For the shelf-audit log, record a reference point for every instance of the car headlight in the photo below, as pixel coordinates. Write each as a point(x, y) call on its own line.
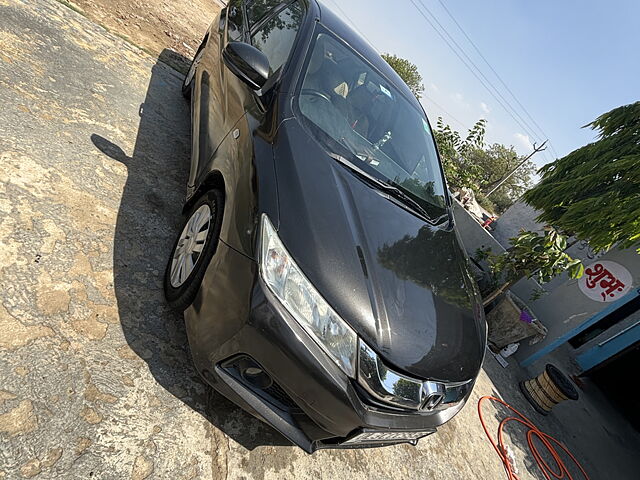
point(296, 293)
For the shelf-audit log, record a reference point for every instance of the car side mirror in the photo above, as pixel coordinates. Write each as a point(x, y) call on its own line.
point(247, 63)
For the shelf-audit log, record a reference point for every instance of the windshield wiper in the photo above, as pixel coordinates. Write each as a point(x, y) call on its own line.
point(385, 187)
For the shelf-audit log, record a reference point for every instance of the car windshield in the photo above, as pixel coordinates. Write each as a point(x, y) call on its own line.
point(353, 109)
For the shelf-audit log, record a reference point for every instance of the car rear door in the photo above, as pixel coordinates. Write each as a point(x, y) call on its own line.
point(214, 113)
point(222, 99)
point(273, 28)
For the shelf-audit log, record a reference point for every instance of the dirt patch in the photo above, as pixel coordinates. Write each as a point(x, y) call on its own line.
point(154, 25)
point(20, 420)
point(14, 334)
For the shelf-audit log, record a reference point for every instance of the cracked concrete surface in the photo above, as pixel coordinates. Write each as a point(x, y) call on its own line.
point(95, 376)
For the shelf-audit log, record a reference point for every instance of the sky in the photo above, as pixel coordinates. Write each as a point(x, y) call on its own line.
point(566, 62)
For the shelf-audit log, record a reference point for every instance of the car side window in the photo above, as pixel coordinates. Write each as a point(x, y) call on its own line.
point(259, 9)
point(235, 21)
point(276, 36)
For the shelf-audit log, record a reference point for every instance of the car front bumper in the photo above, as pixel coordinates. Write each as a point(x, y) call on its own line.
point(235, 319)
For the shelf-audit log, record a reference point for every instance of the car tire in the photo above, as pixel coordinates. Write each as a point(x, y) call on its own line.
point(186, 266)
point(187, 84)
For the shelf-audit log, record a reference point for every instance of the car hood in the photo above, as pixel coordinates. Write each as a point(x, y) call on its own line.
point(402, 284)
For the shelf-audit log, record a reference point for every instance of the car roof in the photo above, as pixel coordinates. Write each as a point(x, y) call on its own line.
point(355, 40)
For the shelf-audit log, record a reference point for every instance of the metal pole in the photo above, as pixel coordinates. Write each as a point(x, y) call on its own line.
point(501, 182)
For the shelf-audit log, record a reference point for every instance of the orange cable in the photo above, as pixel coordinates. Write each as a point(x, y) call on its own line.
point(560, 470)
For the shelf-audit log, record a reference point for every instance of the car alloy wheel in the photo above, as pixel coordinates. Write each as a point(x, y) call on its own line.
point(193, 249)
point(189, 248)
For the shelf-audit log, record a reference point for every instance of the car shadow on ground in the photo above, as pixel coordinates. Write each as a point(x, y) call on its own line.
point(149, 218)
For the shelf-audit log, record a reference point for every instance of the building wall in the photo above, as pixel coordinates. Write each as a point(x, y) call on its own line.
point(472, 234)
point(614, 339)
point(517, 217)
point(565, 310)
point(521, 216)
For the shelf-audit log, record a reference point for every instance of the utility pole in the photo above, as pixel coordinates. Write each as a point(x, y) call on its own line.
point(504, 179)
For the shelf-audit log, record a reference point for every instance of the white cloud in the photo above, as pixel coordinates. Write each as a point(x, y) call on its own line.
point(484, 107)
point(434, 87)
point(458, 98)
point(523, 140)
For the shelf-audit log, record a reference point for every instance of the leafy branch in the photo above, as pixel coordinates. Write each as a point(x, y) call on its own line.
point(532, 255)
point(593, 193)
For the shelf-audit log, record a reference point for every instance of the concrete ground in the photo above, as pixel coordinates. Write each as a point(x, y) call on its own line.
point(95, 375)
point(154, 24)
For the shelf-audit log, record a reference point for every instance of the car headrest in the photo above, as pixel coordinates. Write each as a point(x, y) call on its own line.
point(360, 98)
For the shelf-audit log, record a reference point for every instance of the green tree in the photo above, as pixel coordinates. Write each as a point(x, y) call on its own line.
point(469, 163)
point(594, 192)
point(408, 72)
point(496, 161)
point(532, 255)
point(455, 153)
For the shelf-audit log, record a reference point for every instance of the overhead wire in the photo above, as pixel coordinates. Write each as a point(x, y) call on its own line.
point(523, 123)
point(528, 130)
point(335, 3)
point(524, 109)
point(445, 111)
point(473, 68)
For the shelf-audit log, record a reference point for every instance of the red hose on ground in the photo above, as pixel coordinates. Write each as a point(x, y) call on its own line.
point(559, 472)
